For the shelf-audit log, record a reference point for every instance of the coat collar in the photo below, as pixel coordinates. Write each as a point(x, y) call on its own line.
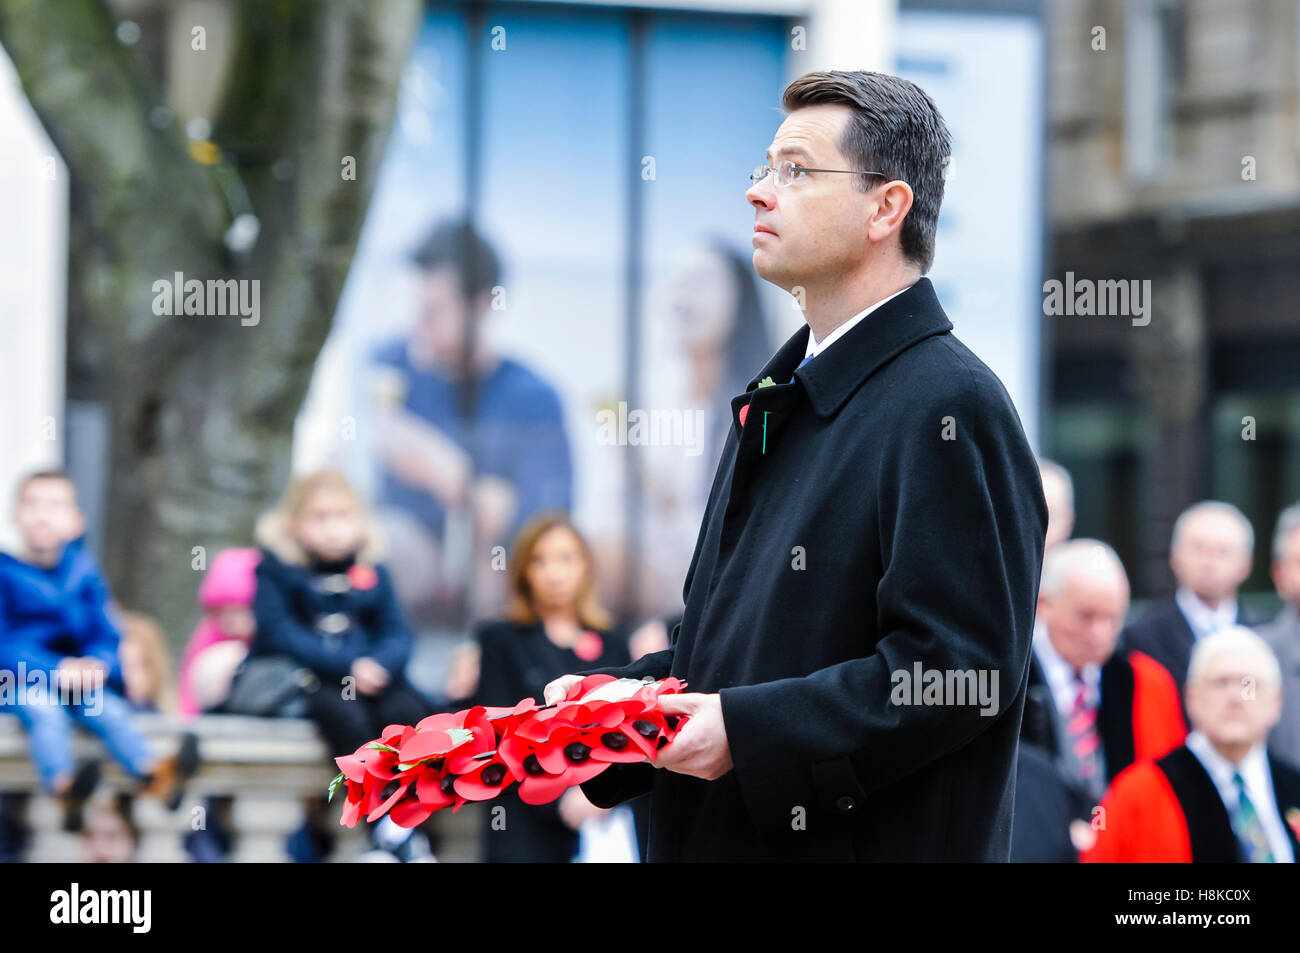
point(834, 375)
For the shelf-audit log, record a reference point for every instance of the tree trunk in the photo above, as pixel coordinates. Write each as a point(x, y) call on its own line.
point(202, 406)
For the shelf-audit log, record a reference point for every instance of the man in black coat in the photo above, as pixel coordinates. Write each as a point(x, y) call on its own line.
point(860, 603)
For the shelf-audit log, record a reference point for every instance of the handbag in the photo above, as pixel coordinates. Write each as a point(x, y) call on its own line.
point(271, 687)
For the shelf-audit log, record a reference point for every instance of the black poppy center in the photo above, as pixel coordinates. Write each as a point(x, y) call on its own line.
point(614, 740)
point(576, 752)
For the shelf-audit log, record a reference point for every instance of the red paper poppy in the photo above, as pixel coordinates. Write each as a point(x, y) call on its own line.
point(410, 813)
point(547, 755)
point(362, 576)
point(589, 646)
point(589, 683)
point(378, 799)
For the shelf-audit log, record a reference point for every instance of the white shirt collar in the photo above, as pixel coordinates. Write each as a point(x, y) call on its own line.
point(814, 347)
point(1201, 617)
point(1257, 780)
point(1060, 674)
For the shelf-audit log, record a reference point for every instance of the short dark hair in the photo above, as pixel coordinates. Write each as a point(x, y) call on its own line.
point(895, 128)
point(457, 245)
point(53, 473)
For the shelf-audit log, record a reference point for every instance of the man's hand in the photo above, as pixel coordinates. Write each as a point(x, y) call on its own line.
point(700, 748)
point(574, 808)
point(370, 675)
point(558, 690)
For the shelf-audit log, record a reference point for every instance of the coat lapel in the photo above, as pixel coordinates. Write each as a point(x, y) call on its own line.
point(1286, 788)
point(832, 378)
point(1208, 824)
point(1115, 715)
point(891, 329)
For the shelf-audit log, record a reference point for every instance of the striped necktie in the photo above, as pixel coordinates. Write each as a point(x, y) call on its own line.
point(1249, 828)
point(801, 364)
point(1085, 743)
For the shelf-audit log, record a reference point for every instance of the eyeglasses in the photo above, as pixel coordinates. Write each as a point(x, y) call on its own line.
point(787, 171)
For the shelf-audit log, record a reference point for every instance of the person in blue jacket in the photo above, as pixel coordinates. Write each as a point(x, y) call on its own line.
point(59, 653)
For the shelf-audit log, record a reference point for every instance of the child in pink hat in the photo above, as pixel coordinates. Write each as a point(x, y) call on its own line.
point(222, 638)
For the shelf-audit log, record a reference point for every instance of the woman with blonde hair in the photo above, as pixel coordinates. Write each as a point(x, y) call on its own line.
point(554, 624)
point(328, 622)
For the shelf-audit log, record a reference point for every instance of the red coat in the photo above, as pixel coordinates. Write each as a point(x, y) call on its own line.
point(1157, 714)
point(1142, 819)
point(1169, 811)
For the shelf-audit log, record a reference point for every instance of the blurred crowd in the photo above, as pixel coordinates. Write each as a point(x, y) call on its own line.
point(305, 625)
point(1173, 736)
point(1170, 736)
point(1167, 737)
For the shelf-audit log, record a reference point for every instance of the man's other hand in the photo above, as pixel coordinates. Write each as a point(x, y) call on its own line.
point(558, 690)
point(700, 748)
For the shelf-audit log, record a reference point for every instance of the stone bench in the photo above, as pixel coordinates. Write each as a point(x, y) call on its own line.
point(267, 767)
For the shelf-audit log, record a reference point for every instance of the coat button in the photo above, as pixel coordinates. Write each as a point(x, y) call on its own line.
point(846, 804)
point(336, 583)
point(334, 623)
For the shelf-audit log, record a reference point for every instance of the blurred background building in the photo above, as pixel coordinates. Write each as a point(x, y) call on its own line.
point(1175, 156)
point(602, 150)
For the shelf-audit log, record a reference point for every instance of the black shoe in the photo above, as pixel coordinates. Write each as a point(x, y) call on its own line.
point(74, 798)
point(187, 765)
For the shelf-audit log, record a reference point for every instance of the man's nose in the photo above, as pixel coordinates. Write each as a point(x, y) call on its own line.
point(760, 194)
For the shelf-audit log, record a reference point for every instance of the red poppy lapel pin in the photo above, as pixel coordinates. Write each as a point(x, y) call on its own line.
point(744, 411)
point(589, 646)
point(362, 576)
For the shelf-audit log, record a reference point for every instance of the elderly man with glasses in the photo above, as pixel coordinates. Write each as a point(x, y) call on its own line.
point(1222, 797)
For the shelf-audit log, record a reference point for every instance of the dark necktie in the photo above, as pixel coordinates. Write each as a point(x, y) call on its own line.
point(1249, 828)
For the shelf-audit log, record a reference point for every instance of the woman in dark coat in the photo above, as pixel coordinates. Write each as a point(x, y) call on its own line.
point(554, 623)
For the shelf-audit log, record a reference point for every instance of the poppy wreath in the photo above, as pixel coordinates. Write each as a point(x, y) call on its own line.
point(476, 753)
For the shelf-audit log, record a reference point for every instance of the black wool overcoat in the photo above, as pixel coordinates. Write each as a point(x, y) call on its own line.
point(878, 518)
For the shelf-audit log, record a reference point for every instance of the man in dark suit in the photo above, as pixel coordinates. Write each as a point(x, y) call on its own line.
point(1223, 797)
point(1210, 555)
point(860, 602)
point(1283, 633)
point(1092, 708)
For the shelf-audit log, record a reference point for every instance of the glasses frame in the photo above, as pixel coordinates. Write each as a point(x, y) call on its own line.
point(755, 178)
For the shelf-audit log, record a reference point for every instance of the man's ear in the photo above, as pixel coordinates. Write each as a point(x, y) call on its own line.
point(893, 202)
point(1275, 573)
